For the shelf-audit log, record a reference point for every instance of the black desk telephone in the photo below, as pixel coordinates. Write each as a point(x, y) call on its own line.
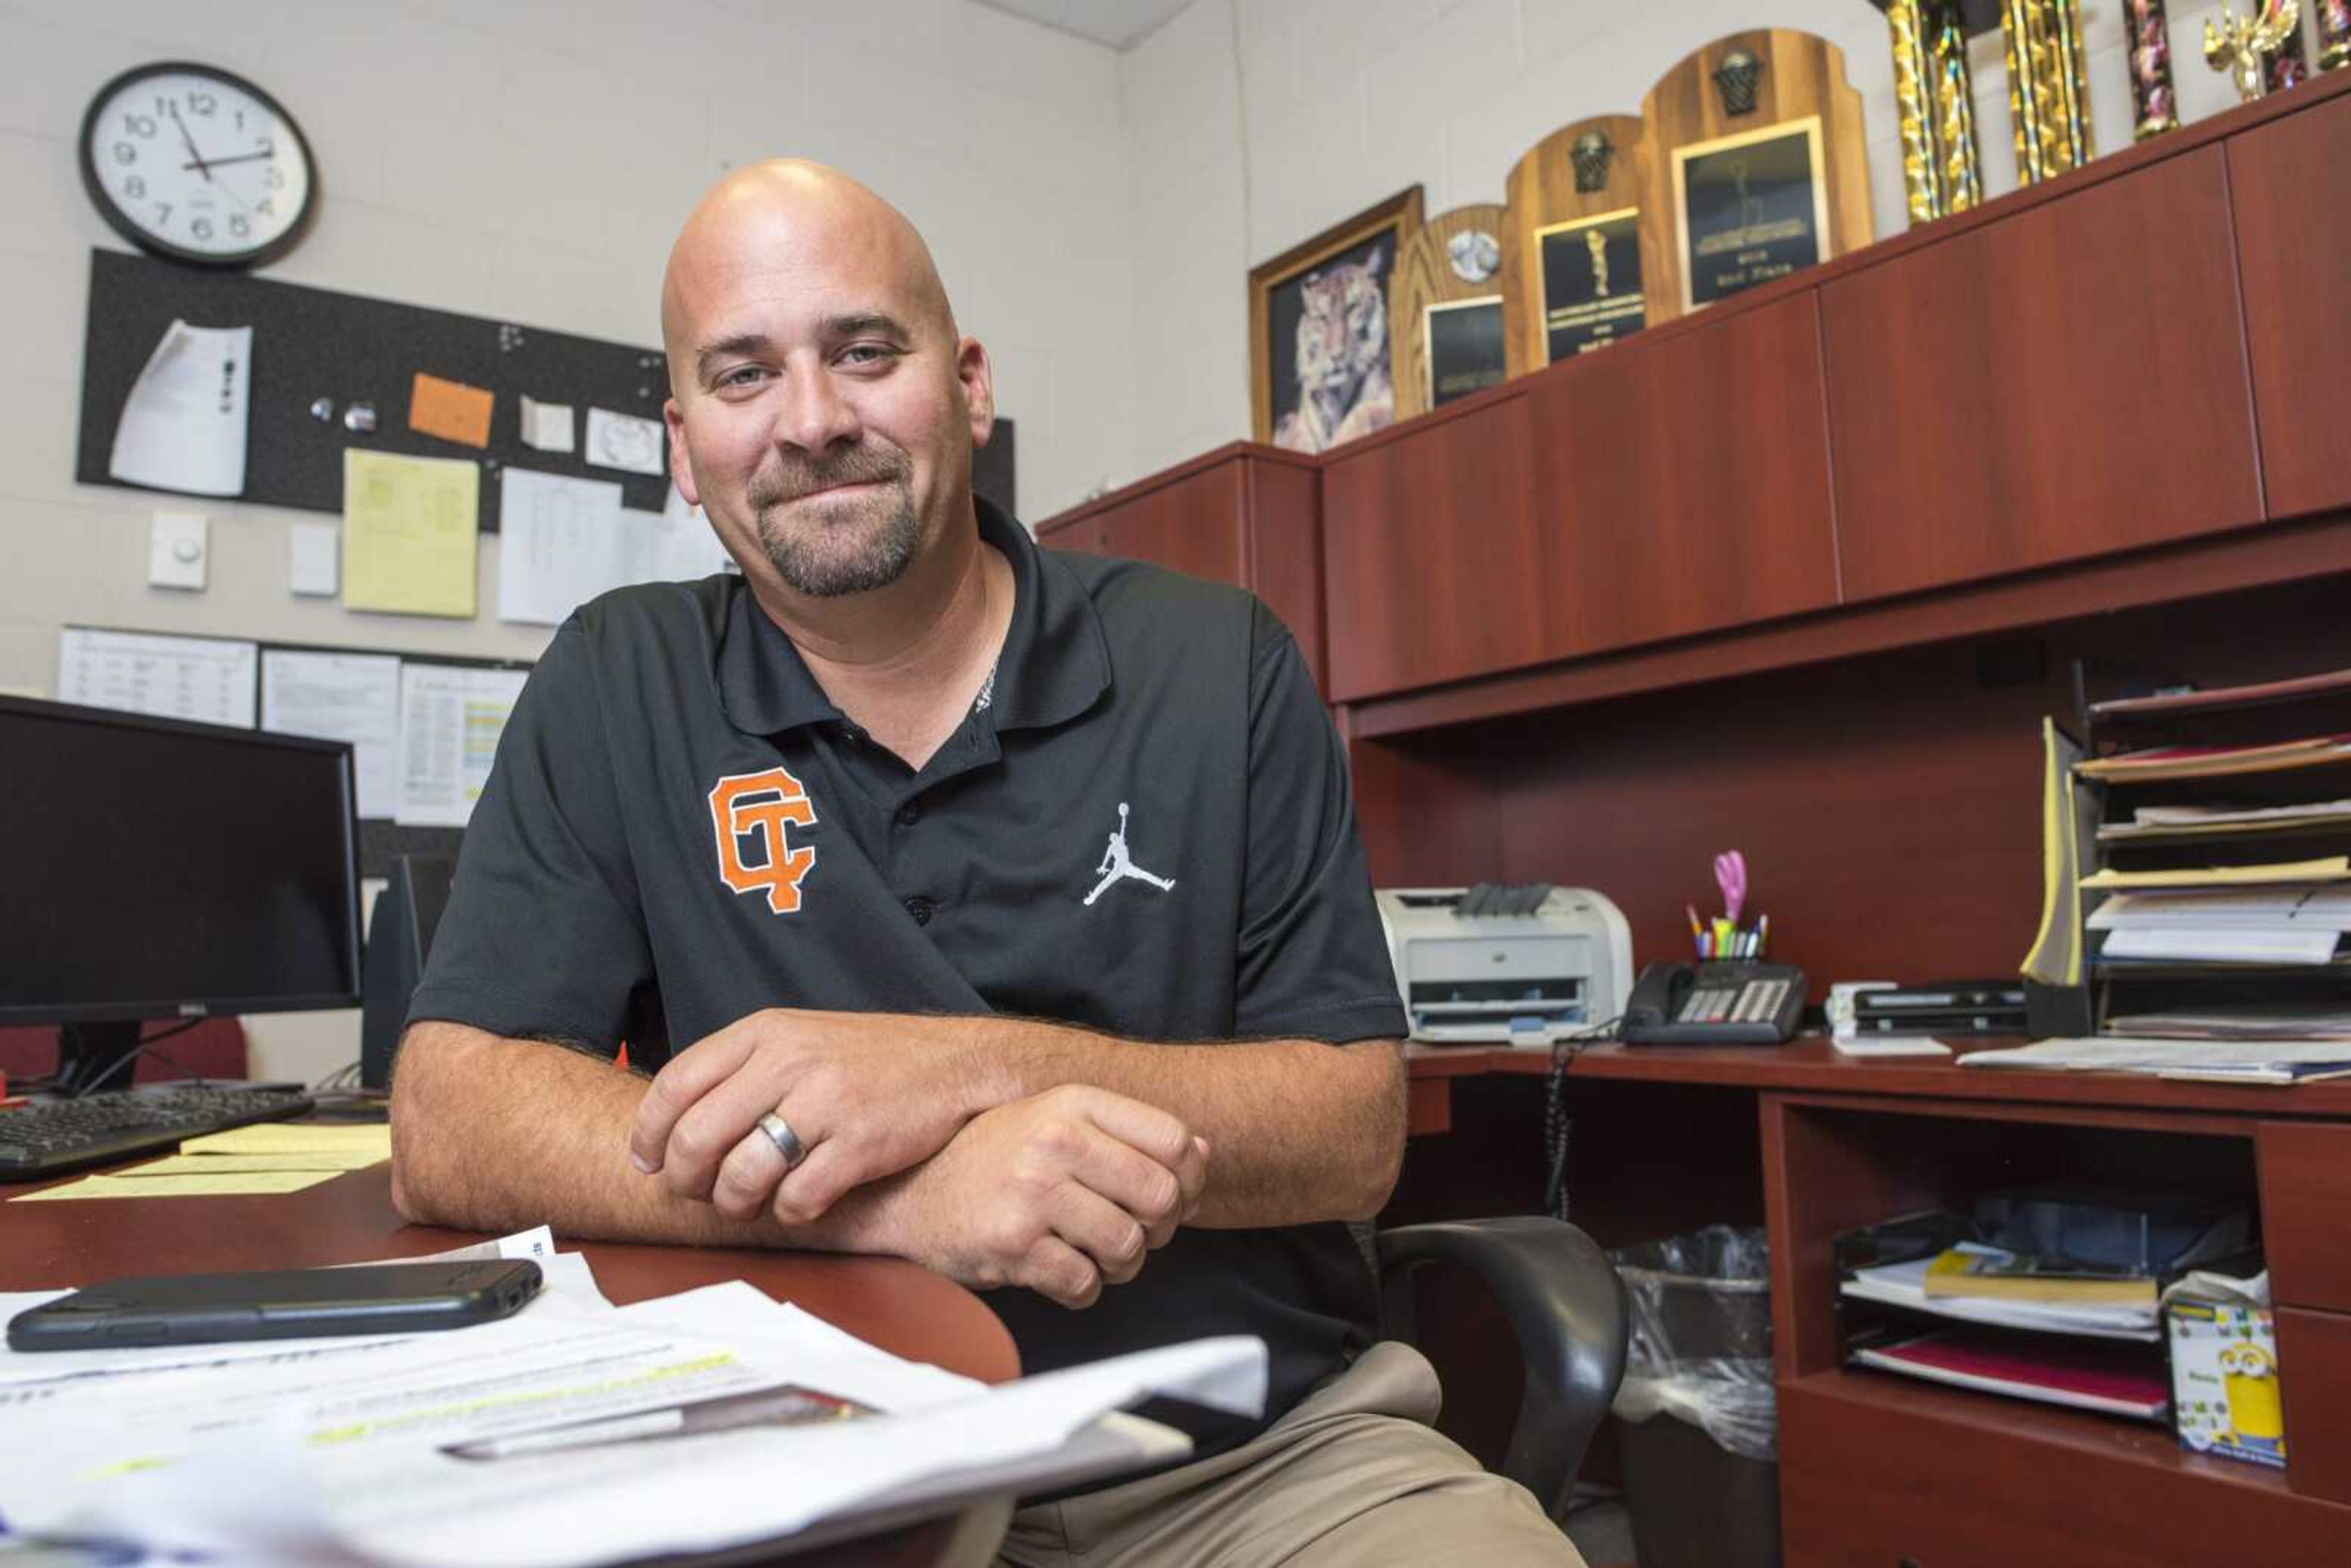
point(1714, 1004)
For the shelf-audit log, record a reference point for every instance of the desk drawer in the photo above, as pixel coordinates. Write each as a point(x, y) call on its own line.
point(2305, 1202)
point(1876, 1473)
point(2314, 1380)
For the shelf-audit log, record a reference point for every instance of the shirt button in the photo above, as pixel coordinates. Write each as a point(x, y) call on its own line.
point(910, 813)
point(922, 909)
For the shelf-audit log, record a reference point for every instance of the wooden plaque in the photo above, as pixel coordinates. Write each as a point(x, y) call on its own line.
point(1445, 309)
point(1759, 138)
point(1558, 201)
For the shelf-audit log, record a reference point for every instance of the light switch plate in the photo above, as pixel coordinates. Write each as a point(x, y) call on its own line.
point(312, 565)
point(179, 549)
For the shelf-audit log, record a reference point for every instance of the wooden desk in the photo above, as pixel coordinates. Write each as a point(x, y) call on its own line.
point(1875, 1470)
point(904, 1309)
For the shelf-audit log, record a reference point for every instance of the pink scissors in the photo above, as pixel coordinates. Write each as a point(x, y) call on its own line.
point(1730, 875)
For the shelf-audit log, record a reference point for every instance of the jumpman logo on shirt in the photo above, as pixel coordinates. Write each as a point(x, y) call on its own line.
point(1116, 865)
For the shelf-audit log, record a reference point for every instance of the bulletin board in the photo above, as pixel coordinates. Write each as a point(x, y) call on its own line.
point(311, 344)
point(382, 841)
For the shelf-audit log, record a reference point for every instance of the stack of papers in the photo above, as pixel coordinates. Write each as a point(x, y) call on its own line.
point(1904, 1285)
point(2088, 1378)
point(2176, 762)
point(571, 1433)
point(2273, 873)
point(2273, 1021)
point(2288, 923)
point(264, 1159)
point(2217, 1061)
point(2203, 822)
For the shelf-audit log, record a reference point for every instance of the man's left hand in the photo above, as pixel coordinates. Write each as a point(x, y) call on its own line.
point(866, 1100)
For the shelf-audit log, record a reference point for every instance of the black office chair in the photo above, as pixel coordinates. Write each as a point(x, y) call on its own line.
point(1566, 1308)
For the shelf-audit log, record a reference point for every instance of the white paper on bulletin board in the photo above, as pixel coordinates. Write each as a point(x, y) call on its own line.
point(340, 696)
point(450, 720)
point(209, 679)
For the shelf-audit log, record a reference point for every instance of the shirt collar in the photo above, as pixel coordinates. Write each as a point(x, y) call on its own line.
point(1054, 664)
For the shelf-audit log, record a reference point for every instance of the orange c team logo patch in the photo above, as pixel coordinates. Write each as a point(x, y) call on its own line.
point(762, 806)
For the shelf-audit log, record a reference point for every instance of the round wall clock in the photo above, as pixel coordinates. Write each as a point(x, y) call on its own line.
point(196, 163)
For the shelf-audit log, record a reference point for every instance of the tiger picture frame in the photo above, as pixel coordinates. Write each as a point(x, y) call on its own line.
point(1321, 364)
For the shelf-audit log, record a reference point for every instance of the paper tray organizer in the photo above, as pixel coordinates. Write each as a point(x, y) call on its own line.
point(1866, 1324)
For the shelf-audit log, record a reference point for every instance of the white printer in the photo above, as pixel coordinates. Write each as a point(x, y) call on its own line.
point(1507, 965)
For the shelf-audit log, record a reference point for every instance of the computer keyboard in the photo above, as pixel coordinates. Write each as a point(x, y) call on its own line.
point(60, 1136)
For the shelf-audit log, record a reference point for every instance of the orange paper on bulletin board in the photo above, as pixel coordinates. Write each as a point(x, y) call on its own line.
point(450, 410)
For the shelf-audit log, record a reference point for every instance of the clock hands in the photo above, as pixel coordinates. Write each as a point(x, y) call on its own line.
point(199, 163)
point(220, 162)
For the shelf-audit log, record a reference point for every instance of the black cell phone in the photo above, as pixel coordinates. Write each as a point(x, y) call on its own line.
point(292, 1303)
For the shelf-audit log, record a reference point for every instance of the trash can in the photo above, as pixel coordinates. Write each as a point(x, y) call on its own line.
point(1698, 1427)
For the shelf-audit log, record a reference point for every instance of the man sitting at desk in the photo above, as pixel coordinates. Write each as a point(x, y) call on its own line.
point(824, 845)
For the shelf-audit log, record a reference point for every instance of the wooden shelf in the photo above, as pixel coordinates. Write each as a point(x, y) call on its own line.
point(2171, 574)
point(1811, 1066)
point(2022, 1421)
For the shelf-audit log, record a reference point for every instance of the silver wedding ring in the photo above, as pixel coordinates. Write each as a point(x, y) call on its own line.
point(788, 1144)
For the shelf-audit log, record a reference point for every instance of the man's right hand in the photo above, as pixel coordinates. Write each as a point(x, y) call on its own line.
point(1061, 1193)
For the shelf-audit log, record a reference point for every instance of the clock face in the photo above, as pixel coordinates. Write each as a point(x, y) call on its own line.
point(197, 164)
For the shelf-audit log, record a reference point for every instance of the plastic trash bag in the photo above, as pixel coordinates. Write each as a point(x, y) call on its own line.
point(1701, 1339)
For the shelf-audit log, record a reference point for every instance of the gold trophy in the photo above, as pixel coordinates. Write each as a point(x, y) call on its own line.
point(2242, 46)
point(1934, 96)
point(2047, 93)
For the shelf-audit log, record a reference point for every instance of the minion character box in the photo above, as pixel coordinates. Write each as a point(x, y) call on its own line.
point(2224, 1381)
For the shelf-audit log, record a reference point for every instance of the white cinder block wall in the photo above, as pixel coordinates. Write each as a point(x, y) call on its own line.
point(529, 161)
point(1252, 124)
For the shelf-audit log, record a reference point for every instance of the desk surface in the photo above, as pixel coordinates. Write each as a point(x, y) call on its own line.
point(900, 1307)
point(1810, 1065)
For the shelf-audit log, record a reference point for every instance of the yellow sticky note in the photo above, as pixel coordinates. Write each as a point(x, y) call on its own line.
point(450, 410)
point(290, 1160)
point(246, 1184)
point(372, 1139)
point(411, 525)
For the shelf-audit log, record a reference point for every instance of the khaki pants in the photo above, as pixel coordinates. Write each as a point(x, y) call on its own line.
point(1354, 1478)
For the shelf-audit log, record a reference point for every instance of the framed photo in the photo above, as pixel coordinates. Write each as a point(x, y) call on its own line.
point(1321, 366)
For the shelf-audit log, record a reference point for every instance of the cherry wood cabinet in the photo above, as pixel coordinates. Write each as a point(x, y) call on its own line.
point(1246, 515)
point(2313, 1357)
point(2305, 1198)
point(1685, 487)
point(2067, 380)
point(2290, 183)
point(1435, 566)
point(1879, 1469)
point(2114, 389)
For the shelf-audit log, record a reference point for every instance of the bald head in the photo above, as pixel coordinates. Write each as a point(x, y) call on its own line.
point(823, 408)
point(791, 216)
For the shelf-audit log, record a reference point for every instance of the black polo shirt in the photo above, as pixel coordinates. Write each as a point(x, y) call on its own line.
point(1146, 827)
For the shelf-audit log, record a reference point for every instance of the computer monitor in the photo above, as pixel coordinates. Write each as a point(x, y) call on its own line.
point(156, 869)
